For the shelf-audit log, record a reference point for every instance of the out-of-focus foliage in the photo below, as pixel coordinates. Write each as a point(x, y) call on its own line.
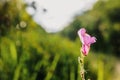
point(27, 52)
point(103, 21)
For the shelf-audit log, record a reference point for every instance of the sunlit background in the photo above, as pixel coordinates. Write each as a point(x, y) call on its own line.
point(39, 41)
point(54, 15)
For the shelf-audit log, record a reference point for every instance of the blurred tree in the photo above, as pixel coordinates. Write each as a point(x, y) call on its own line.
point(103, 21)
point(10, 11)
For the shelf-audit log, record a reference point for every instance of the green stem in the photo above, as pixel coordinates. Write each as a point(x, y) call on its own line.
point(81, 63)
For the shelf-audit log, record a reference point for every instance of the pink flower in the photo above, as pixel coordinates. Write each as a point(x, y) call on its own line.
point(86, 40)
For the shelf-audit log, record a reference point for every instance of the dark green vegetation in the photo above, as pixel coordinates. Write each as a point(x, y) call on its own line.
point(103, 21)
point(27, 52)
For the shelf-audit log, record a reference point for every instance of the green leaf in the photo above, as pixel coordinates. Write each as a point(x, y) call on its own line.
point(13, 51)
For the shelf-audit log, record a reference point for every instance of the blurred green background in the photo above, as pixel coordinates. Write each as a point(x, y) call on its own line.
point(27, 52)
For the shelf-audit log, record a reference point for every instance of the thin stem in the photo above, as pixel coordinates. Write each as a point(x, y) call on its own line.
point(81, 62)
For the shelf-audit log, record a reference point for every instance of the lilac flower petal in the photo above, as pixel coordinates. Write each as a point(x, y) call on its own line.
point(86, 40)
point(85, 49)
point(93, 40)
point(81, 33)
